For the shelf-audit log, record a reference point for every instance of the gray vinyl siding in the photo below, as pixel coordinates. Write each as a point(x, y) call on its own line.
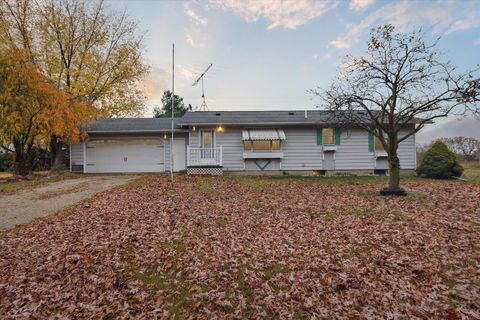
point(301, 152)
point(406, 151)
point(266, 164)
point(76, 153)
point(232, 148)
point(352, 153)
point(194, 138)
point(166, 159)
point(168, 143)
point(231, 142)
point(300, 149)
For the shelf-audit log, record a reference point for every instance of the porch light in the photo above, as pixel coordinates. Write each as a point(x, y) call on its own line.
point(194, 128)
point(220, 128)
point(165, 135)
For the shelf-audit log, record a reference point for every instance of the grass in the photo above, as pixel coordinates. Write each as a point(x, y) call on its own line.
point(13, 187)
point(274, 269)
point(472, 174)
point(260, 183)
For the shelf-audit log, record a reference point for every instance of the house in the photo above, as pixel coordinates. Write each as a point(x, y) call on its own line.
point(216, 142)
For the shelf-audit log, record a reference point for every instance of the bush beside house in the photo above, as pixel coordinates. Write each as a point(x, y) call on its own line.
point(440, 162)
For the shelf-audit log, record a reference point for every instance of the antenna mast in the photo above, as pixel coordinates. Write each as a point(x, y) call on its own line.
point(203, 107)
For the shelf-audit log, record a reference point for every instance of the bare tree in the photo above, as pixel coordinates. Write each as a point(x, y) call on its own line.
point(397, 87)
point(466, 149)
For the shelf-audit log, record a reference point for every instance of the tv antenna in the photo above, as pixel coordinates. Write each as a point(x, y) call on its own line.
point(203, 107)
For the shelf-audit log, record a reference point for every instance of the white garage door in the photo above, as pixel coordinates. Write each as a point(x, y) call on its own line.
point(128, 155)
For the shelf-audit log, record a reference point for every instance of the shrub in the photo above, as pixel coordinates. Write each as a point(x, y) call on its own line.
point(440, 162)
point(6, 162)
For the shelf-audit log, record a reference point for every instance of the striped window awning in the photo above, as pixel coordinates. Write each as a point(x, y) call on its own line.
point(263, 134)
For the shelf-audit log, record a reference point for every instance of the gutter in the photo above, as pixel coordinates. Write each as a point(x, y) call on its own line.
point(135, 131)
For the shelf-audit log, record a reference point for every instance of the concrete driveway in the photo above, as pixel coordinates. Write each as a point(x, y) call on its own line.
point(28, 204)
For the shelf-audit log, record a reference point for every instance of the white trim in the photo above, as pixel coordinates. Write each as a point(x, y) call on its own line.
point(329, 147)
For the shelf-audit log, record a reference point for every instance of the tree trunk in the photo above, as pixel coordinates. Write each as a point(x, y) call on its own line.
point(21, 164)
point(56, 153)
point(394, 173)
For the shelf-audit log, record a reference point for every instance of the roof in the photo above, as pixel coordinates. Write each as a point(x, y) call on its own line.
point(132, 125)
point(292, 117)
point(254, 117)
point(246, 118)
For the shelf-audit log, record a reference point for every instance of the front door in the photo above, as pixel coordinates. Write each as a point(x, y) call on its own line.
point(207, 144)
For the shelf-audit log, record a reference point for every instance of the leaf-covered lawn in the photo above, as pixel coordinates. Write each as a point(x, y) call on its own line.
point(250, 248)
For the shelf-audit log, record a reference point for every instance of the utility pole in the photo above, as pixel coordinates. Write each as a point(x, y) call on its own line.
point(173, 111)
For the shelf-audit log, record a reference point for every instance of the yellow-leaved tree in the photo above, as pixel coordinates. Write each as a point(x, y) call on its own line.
point(32, 108)
point(92, 53)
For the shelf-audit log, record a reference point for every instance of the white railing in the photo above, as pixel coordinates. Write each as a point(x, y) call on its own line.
point(204, 156)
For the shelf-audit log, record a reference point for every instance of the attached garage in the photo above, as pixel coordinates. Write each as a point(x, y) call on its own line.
point(125, 155)
point(129, 145)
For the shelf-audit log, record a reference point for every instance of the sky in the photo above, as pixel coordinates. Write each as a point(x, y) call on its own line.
point(267, 54)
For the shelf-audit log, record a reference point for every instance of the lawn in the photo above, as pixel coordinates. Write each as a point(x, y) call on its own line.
point(39, 178)
point(239, 247)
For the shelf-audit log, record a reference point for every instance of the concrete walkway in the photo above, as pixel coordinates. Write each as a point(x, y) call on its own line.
point(28, 204)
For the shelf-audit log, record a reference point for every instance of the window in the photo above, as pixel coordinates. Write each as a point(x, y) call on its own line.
point(247, 145)
point(378, 145)
point(261, 145)
point(275, 145)
point(328, 136)
point(374, 143)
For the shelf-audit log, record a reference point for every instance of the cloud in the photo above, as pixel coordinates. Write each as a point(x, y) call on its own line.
point(360, 5)
point(407, 14)
point(189, 40)
point(339, 43)
point(186, 72)
point(289, 14)
point(155, 83)
point(196, 19)
point(471, 20)
point(452, 127)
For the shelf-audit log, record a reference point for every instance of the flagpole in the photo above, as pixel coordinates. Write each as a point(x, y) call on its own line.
point(173, 111)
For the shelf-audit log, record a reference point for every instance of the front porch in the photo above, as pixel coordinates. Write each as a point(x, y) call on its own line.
point(204, 161)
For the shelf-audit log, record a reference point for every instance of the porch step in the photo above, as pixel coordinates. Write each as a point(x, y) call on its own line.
point(211, 171)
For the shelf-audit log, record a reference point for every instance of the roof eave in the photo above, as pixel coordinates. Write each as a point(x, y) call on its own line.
point(249, 123)
point(136, 131)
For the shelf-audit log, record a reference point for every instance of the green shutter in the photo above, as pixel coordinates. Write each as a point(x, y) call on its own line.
point(319, 136)
point(336, 133)
point(371, 142)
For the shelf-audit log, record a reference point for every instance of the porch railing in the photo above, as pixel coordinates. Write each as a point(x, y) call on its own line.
point(204, 156)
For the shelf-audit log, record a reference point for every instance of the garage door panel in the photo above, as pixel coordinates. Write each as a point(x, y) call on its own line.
point(116, 156)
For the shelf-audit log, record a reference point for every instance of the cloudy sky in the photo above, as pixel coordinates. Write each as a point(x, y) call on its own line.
point(266, 54)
